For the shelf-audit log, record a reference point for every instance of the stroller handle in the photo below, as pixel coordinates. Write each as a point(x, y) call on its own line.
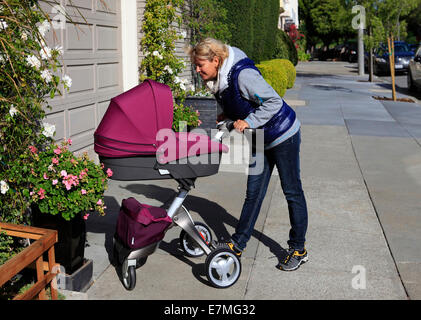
point(229, 125)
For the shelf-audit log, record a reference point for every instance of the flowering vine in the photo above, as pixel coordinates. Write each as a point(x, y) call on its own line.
point(31, 72)
point(162, 19)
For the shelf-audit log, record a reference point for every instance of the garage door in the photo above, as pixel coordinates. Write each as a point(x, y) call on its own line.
point(92, 59)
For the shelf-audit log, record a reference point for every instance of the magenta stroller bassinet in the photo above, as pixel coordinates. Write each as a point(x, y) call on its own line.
point(135, 140)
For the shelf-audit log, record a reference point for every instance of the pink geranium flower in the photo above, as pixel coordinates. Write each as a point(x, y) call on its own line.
point(57, 150)
point(33, 149)
point(55, 181)
point(70, 180)
point(109, 172)
point(54, 160)
point(41, 193)
point(63, 173)
point(99, 202)
point(45, 176)
point(83, 191)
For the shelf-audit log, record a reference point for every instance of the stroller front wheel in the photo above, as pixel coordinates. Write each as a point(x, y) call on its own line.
point(128, 274)
point(189, 246)
point(223, 268)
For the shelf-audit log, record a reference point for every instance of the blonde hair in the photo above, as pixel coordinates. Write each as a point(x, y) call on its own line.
point(207, 49)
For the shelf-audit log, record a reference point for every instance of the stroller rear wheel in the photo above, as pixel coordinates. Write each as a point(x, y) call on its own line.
point(223, 267)
point(189, 246)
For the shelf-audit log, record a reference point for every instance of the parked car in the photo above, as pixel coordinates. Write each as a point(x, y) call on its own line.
point(403, 55)
point(345, 52)
point(352, 52)
point(414, 72)
point(338, 51)
point(324, 54)
point(413, 47)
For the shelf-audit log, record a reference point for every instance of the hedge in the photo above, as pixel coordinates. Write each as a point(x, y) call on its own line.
point(285, 66)
point(254, 25)
point(279, 73)
point(284, 48)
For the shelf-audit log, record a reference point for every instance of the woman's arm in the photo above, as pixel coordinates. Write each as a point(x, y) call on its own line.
point(253, 87)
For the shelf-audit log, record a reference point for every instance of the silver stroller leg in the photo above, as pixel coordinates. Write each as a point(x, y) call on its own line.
point(183, 219)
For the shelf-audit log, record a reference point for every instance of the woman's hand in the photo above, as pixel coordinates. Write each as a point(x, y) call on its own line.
point(240, 125)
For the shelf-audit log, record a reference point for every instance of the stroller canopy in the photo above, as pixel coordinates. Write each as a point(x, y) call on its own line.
point(130, 125)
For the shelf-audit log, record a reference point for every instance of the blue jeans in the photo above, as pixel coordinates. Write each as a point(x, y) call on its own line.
point(286, 158)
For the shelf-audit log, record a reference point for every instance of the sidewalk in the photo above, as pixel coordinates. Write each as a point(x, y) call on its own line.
point(360, 166)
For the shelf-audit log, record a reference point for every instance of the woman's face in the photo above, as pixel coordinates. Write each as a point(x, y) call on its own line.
point(208, 70)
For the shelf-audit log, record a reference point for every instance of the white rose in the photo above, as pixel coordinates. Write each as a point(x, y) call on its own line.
point(45, 53)
point(48, 130)
point(44, 27)
point(33, 61)
point(157, 54)
point(4, 187)
point(46, 75)
point(67, 81)
point(59, 49)
point(168, 68)
point(3, 24)
point(12, 111)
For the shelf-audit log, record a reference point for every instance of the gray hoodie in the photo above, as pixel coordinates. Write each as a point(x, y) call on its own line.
point(252, 87)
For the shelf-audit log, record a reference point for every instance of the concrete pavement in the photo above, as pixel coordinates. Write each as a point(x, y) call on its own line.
point(360, 166)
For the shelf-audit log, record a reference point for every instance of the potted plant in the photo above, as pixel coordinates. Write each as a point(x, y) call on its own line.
point(63, 190)
point(206, 106)
point(185, 118)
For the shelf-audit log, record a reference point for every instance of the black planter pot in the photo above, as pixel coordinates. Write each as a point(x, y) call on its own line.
point(207, 107)
point(70, 248)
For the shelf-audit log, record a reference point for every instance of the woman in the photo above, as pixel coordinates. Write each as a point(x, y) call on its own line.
point(246, 98)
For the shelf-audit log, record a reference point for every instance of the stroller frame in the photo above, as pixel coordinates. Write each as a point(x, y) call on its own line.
point(223, 267)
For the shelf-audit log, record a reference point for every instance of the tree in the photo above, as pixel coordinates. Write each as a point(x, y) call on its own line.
point(206, 18)
point(330, 19)
point(383, 20)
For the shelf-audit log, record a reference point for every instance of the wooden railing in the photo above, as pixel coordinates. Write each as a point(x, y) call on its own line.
point(45, 240)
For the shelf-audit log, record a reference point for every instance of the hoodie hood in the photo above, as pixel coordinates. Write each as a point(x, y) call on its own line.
point(221, 83)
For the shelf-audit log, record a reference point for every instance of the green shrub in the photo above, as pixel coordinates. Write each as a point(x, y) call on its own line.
point(285, 48)
point(254, 25)
point(276, 78)
point(302, 56)
point(284, 66)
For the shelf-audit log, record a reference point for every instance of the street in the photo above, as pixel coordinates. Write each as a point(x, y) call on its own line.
point(400, 80)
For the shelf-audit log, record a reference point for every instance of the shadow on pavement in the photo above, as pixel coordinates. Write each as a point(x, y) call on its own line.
point(215, 216)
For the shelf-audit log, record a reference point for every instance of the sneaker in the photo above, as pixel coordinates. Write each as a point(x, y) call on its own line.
point(293, 260)
point(232, 247)
point(237, 251)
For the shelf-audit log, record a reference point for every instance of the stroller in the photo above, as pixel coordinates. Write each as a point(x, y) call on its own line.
point(130, 140)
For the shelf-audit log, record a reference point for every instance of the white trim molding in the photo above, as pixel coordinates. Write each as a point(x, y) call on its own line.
point(129, 44)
